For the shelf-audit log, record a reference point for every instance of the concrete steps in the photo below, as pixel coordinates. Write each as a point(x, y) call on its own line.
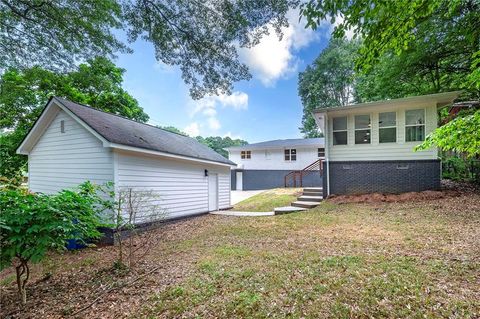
point(305, 198)
point(310, 198)
point(304, 204)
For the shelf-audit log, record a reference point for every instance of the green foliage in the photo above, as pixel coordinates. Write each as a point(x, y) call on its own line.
point(328, 82)
point(23, 95)
point(218, 143)
point(57, 34)
point(202, 38)
point(457, 168)
point(413, 48)
point(34, 224)
point(461, 135)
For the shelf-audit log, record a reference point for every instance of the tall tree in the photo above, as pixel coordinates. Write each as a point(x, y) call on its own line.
point(396, 26)
point(439, 60)
point(57, 34)
point(23, 95)
point(201, 37)
point(328, 82)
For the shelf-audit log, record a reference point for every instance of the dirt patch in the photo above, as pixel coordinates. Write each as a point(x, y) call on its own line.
point(449, 189)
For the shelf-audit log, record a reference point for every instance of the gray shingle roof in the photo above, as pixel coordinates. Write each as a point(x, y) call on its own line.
point(295, 142)
point(120, 130)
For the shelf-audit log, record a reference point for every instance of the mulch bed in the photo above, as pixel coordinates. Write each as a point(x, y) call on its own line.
point(448, 189)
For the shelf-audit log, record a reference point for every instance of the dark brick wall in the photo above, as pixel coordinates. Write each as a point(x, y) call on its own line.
point(384, 176)
point(265, 179)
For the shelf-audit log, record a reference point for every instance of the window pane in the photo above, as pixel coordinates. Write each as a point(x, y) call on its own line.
point(321, 152)
point(249, 154)
point(413, 117)
point(388, 135)
point(362, 121)
point(387, 119)
point(339, 138)
point(293, 151)
point(362, 137)
point(287, 155)
point(340, 123)
point(293, 157)
point(414, 133)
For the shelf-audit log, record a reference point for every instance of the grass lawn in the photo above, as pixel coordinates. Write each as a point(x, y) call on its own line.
point(268, 200)
point(388, 260)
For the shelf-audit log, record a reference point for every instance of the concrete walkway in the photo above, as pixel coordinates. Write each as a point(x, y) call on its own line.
point(238, 196)
point(242, 214)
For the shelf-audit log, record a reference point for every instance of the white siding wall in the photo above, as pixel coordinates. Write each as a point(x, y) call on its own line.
point(400, 150)
point(276, 161)
point(181, 186)
point(65, 160)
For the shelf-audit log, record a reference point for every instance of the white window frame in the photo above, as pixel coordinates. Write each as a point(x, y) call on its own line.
point(414, 125)
point(335, 131)
point(395, 127)
point(289, 151)
point(318, 152)
point(355, 129)
point(246, 155)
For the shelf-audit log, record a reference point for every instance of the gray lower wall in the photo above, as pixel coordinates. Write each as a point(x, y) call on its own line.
point(383, 176)
point(265, 179)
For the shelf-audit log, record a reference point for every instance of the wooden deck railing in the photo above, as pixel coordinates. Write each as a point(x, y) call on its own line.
point(297, 176)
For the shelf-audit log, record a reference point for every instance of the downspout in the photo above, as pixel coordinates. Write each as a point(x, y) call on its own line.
point(327, 153)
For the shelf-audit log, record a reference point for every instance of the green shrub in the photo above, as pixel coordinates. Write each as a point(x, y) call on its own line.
point(460, 169)
point(33, 224)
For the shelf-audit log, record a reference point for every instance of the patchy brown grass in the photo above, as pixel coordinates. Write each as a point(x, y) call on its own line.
point(402, 259)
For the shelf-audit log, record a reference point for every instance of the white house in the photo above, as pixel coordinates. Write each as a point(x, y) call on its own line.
point(369, 147)
point(72, 143)
point(266, 164)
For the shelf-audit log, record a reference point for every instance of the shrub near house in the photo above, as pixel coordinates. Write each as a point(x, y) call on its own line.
point(33, 224)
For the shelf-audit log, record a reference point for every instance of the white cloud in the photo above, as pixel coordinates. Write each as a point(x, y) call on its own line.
point(209, 105)
point(237, 100)
point(272, 58)
point(213, 123)
point(193, 129)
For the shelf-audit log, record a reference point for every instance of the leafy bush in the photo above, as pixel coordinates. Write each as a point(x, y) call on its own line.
point(33, 224)
point(457, 168)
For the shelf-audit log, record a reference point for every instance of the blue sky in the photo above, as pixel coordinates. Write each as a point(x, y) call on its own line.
point(264, 108)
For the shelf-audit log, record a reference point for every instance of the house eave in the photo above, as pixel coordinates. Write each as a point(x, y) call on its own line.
point(441, 99)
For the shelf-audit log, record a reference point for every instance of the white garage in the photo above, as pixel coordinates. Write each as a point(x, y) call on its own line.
point(71, 143)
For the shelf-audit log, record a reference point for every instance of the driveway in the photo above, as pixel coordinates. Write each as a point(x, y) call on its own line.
point(238, 196)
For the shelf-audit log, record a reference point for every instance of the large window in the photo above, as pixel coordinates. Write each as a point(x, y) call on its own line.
point(362, 129)
point(246, 154)
point(291, 154)
point(387, 127)
point(321, 152)
point(414, 125)
point(340, 130)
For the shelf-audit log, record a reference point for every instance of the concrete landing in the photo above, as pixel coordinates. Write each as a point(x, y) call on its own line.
point(242, 214)
point(287, 209)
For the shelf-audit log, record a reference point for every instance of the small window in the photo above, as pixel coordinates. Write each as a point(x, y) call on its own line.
point(415, 125)
point(291, 154)
point(340, 130)
point(321, 152)
point(246, 154)
point(362, 129)
point(387, 127)
point(62, 126)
